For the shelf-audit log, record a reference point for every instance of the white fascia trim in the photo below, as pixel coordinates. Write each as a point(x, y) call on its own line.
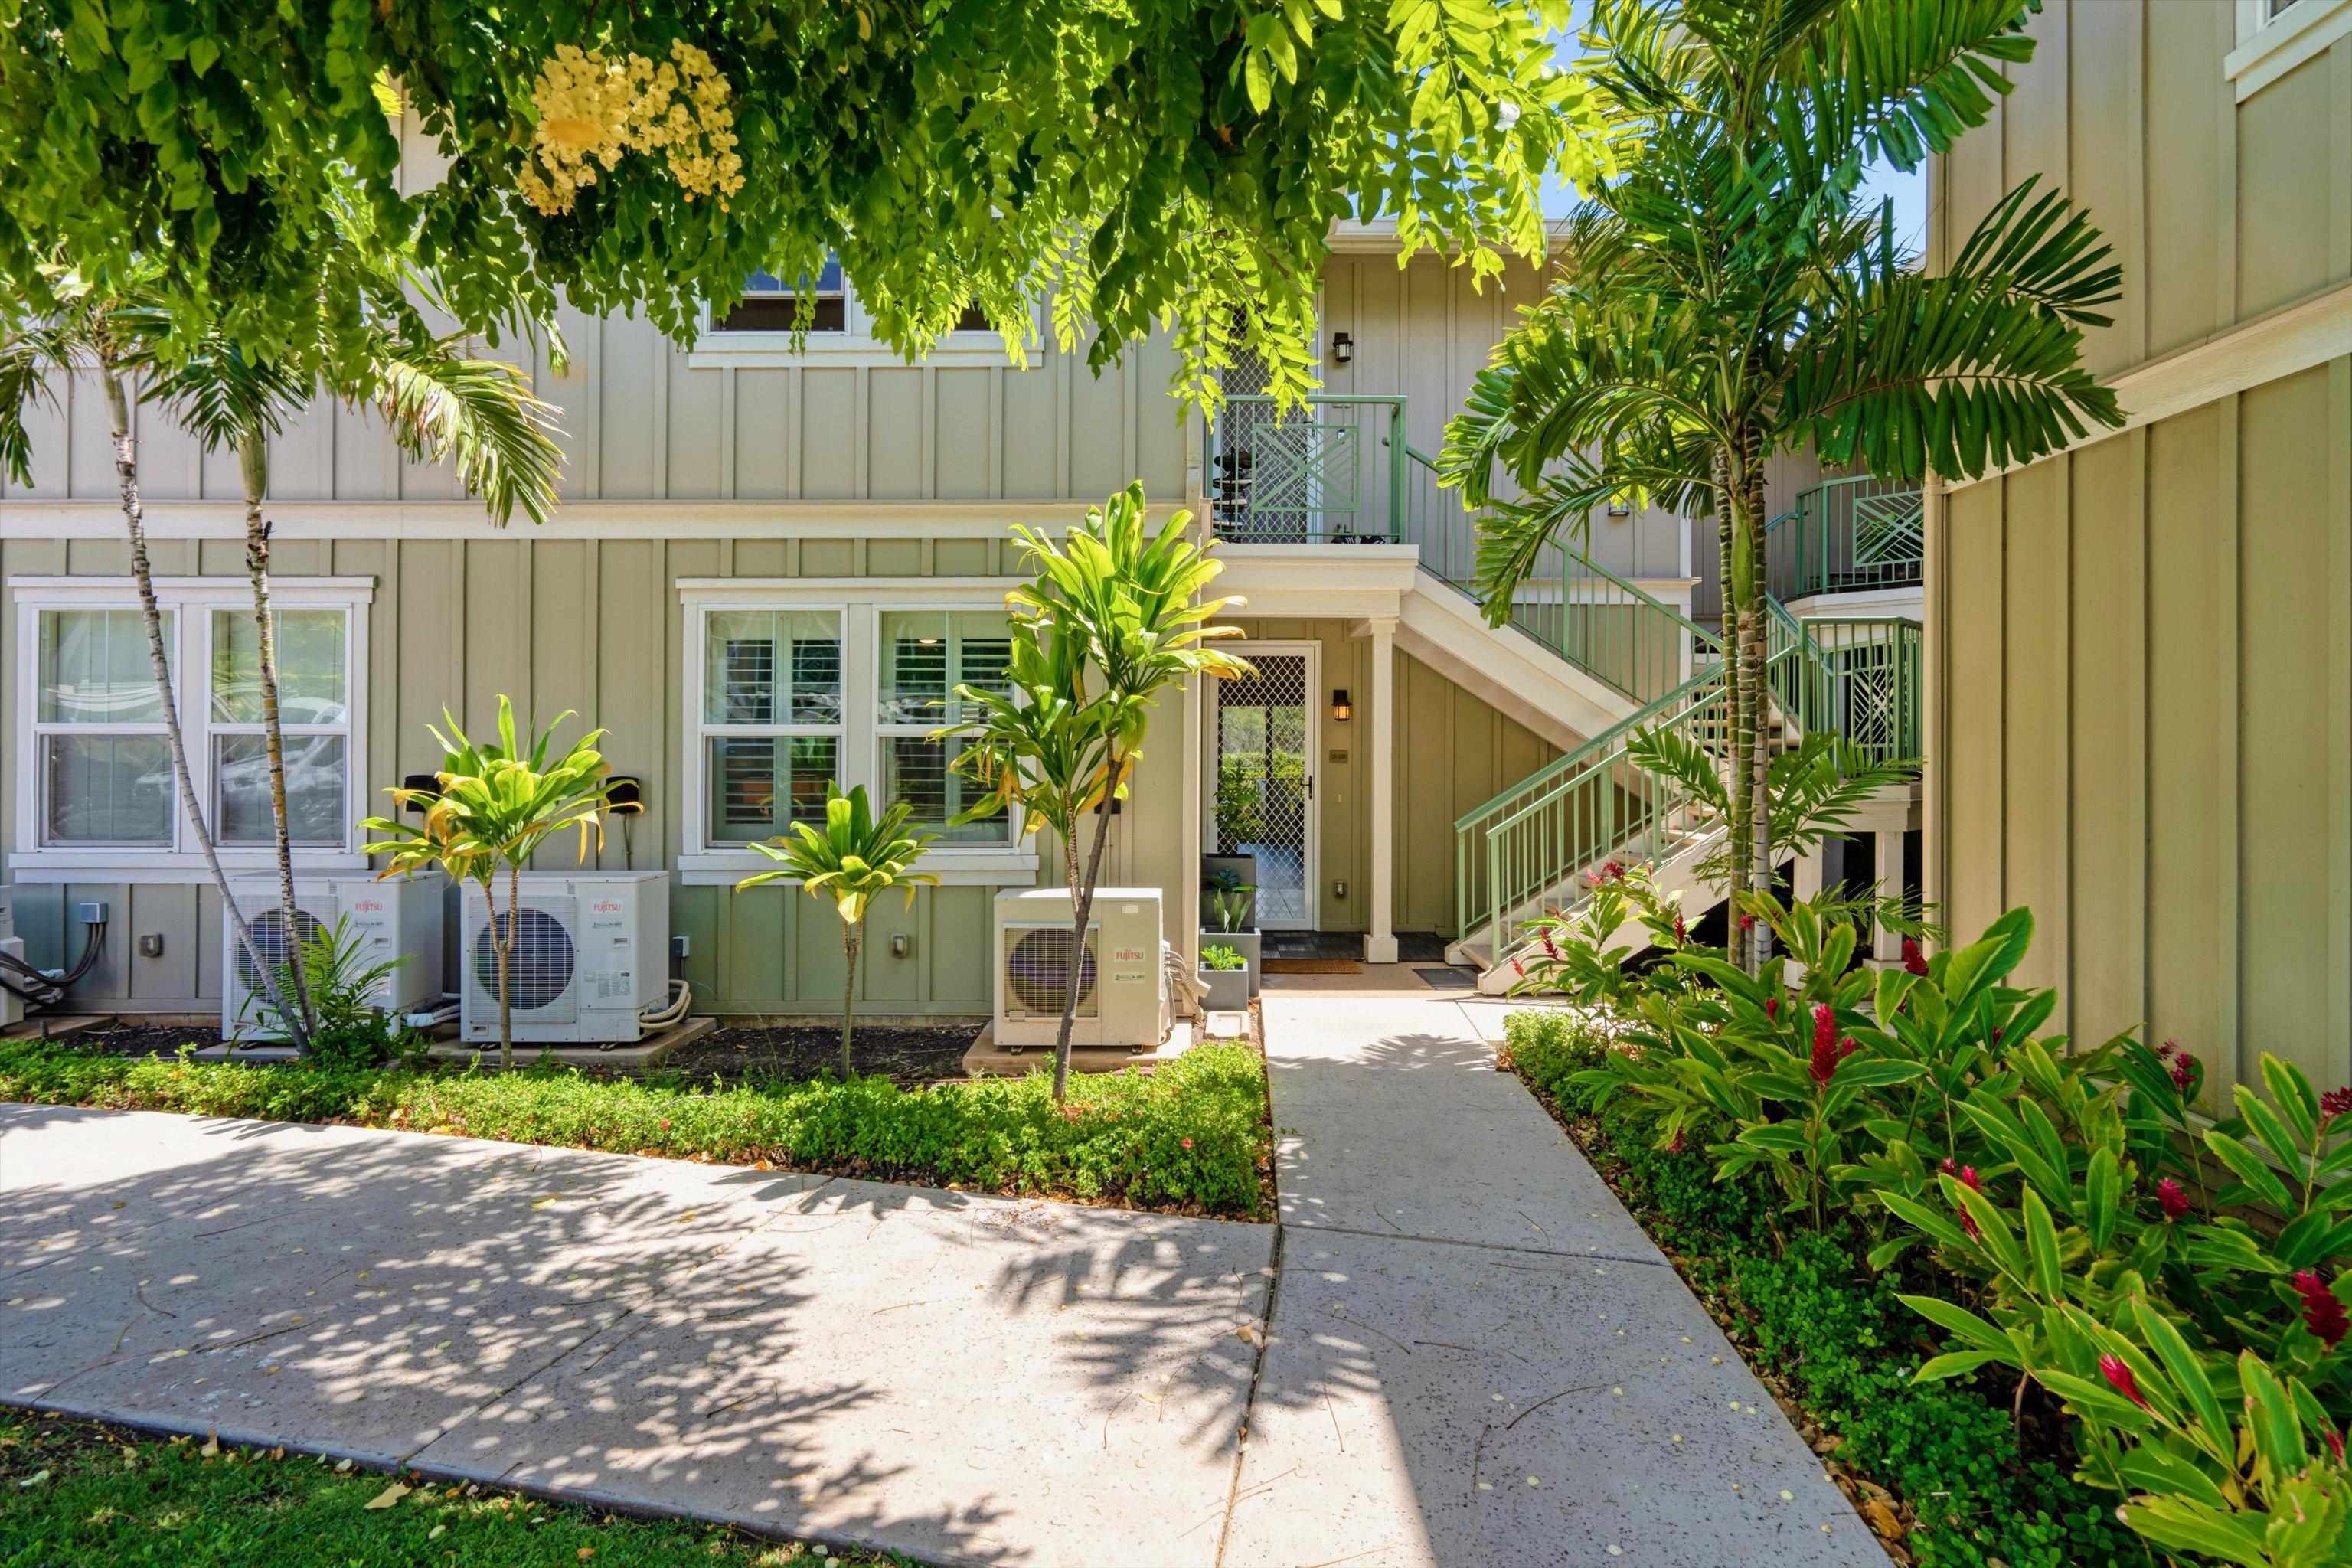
point(2277, 343)
point(22, 519)
point(1908, 603)
point(830, 593)
point(170, 867)
point(1323, 581)
point(2271, 49)
point(338, 592)
point(978, 867)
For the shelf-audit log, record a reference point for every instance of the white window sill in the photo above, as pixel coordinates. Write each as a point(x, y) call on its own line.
point(768, 351)
point(964, 866)
point(165, 865)
point(2273, 47)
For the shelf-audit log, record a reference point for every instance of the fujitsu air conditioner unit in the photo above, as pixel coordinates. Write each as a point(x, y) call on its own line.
point(1123, 986)
point(591, 957)
point(399, 917)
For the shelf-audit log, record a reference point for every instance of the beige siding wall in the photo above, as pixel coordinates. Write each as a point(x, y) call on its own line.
point(1424, 331)
point(2144, 648)
point(1452, 752)
point(597, 627)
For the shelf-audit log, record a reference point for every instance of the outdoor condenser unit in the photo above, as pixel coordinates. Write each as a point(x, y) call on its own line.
point(395, 919)
point(1123, 999)
point(12, 1006)
point(591, 955)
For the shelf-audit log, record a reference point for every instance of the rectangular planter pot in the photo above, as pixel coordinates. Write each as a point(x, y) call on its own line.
point(1246, 943)
point(1227, 990)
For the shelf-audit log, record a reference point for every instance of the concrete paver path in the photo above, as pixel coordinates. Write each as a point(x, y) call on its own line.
point(1475, 1358)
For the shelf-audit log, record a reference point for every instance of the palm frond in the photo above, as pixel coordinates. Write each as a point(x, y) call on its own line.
point(217, 393)
point(443, 404)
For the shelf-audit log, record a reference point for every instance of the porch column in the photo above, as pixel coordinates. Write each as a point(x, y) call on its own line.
point(1380, 940)
point(1887, 847)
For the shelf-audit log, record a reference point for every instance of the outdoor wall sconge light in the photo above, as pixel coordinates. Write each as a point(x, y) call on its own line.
point(1621, 509)
point(1343, 348)
point(1341, 709)
point(429, 782)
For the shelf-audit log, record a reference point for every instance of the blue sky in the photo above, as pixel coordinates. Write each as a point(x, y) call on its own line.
point(1883, 182)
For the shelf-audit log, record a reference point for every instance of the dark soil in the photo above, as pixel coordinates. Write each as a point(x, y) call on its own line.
point(134, 1039)
point(920, 1054)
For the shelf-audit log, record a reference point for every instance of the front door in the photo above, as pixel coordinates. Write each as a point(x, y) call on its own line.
point(1262, 789)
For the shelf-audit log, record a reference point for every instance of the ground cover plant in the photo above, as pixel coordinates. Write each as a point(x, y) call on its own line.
point(83, 1495)
point(2040, 1292)
point(1191, 1137)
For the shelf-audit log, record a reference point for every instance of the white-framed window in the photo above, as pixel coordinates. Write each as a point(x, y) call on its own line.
point(924, 655)
point(797, 684)
point(2277, 35)
point(759, 330)
point(100, 792)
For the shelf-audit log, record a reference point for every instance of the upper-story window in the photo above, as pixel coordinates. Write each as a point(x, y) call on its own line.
point(766, 327)
point(2274, 36)
point(92, 726)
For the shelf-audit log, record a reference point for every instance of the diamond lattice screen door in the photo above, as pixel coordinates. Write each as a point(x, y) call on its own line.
point(1262, 791)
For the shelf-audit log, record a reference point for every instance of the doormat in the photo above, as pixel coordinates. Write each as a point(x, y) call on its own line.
point(1311, 966)
point(1448, 977)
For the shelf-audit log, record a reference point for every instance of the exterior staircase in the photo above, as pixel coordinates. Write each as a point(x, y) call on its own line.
point(1618, 659)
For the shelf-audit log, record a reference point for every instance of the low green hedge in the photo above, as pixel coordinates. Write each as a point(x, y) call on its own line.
point(1838, 1341)
point(1192, 1137)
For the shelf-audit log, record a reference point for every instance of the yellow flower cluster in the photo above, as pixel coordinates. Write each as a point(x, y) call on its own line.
point(592, 108)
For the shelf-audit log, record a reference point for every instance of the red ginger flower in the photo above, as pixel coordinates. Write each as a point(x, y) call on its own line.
point(1826, 1054)
point(2173, 1196)
point(1551, 951)
point(2323, 1314)
point(2113, 1369)
point(2335, 1102)
point(2336, 1444)
point(1914, 958)
point(1967, 1177)
point(1681, 934)
point(1748, 923)
point(1614, 870)
point(1771, 1006)
point(2184, 1069)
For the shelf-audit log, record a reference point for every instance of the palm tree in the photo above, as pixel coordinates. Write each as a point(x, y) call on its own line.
point(439, 403)
point(1730, 297)
point(855, 861)
point(491, 806)
point(1113, 617)
point(107, 336)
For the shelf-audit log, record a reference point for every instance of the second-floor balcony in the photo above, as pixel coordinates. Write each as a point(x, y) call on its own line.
point(1859, 534)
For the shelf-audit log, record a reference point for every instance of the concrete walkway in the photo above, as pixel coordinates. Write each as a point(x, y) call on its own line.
point(1476, 1358)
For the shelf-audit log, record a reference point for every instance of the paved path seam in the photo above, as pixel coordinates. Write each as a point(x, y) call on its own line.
point(1308, 1228)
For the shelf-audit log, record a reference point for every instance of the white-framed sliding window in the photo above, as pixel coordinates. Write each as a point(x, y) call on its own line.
point(99, 797)
point(758, 330)
point(762, 746)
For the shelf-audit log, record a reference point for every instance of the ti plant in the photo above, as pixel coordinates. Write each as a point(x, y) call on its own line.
point(492, 805)
point(856, 859)
point(1230, 904)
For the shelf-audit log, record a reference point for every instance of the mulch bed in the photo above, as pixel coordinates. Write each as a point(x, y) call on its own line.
point(134, 1039)
point(909, 1054)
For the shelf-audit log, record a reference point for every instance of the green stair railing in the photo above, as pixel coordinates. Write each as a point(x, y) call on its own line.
point(1329, 471)
point(1527, 847)
point(1847, 535)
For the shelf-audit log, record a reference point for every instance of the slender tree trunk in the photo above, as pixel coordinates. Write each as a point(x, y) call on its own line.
point(506, 966)
point(1734, 725)
point(1086, 904)
point(1759, 826)
point(850, 943)
point(134, 518)
point(253, 463)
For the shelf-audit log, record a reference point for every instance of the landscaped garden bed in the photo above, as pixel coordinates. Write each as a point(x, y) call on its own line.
point(2034, 1304)
point(83, 1495)
point(905, 1054)
point(1190, 1138)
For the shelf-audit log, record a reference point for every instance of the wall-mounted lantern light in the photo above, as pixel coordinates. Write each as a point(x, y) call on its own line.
point(1341, 709)
point(1621, 509)
point(1343, 348)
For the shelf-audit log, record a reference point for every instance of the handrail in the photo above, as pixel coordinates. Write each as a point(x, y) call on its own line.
point(1283, 473)
point(1853, 532)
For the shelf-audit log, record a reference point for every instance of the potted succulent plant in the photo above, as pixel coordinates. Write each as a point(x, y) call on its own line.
point(1224, 978)
point(1229, 917)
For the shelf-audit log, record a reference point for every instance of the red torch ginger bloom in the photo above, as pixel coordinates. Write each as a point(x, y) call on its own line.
point(1847, 1045)
point(1771, 1006)
point(1950, 1166)
point(1681, 934)
point(1914, 958)
point(2184, 1068)
point(1550, 949)
point(1826, 1054)
point(2323, 1314)
point(1967, 1176)
point(2335, 1102)
point(1748, 923)
point(2336, 1444)
point(2173, 1196)
point(2113, 1369)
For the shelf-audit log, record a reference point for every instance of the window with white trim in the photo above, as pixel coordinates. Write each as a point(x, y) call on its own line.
point(927, 654)
point(103, 786)
point(2274, 36)
point(770, 721)
point(760, 329)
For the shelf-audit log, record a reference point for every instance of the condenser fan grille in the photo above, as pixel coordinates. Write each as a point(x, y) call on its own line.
point(544, 958)
point(1037, 971)
point(268, 930)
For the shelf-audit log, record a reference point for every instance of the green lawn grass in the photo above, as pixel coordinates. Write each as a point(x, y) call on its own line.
point(75, 1494)
point(1190, 1138)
